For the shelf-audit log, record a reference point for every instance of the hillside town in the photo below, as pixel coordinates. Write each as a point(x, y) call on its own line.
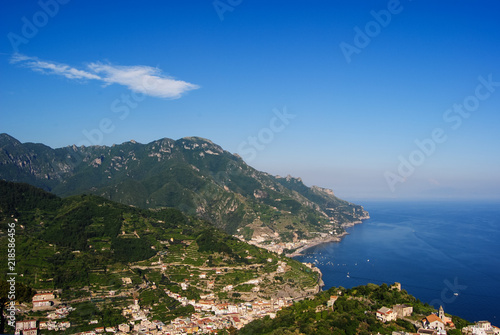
point(212, 316)
point(264, 237)
point(433, 324)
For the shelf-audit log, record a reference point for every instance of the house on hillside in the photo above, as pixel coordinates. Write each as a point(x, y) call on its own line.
point(432, 322)
point(481, 328)
point(126, 280)
point(42, 300)
point(26, 327)
point(332, 300)
point(403, 310)
point(385, 314)
point(446, 320)
point(125, 328)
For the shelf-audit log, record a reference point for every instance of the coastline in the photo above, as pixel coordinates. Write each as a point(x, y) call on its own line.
point(404, 226)
point(318, 241)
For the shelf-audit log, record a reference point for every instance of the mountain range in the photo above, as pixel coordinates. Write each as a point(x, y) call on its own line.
point(191, 174)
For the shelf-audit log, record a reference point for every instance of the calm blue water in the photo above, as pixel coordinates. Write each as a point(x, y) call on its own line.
point(433, 249)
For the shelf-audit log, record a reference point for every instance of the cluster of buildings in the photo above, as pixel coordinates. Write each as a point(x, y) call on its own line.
point(26, 327)
point(135, 312)
point(60, 313)
point(201, 323)
point(271, 243)
point(43, 301)
point(481, 328)
point(386, 314)
point(31, 327)
point(434, 324)
point(210, 316)
point(54, 325)
point(243, 312)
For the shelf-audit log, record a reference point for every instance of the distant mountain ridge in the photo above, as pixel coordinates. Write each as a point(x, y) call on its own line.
point(192, 174)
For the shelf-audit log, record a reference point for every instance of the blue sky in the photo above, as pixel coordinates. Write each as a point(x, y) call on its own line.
point(336, 93)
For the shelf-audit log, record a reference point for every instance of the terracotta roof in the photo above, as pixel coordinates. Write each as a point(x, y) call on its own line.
point(433, 317)
point(385, 310)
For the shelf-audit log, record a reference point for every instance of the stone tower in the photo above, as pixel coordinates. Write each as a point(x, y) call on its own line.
point(441, 313)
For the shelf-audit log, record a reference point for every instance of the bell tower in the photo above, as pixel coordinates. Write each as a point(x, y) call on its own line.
point(441, 313)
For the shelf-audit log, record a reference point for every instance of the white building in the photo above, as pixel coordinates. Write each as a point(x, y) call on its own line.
point(26, 327)
point(481, 328)
point(124, 327)
point(385, 314)
point(42, 300)
point(433, 322)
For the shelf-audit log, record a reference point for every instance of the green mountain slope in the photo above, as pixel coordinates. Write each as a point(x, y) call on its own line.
point(191, 174)
point(86, 245)
point(353, 312)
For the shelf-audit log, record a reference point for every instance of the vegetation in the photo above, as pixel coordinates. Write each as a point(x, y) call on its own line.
point(87, 246)
point(192, 174)
point(23, 294)
point(354, 312)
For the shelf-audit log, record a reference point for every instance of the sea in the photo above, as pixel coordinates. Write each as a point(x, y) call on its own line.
point(445, 253)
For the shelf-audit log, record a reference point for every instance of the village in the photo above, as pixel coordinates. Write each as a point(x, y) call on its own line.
point(264, 237)
point(211, 316)
point(217, 294)
point(433, 324)
point(210, 312)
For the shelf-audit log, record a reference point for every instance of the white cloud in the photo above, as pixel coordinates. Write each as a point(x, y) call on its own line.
point(140, 78)
point(143, 79)
point(52, 68)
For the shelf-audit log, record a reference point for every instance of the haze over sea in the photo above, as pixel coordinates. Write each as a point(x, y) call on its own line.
point(443, 253)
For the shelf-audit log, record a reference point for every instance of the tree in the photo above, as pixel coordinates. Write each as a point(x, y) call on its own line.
point(4, 292)
point(23, 293)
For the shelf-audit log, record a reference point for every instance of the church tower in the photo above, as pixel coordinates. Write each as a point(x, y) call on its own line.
point(441, 313)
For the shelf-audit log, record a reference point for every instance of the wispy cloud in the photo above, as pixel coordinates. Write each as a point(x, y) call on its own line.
point(139, 78)
point(52, 68)
point(143, 79)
